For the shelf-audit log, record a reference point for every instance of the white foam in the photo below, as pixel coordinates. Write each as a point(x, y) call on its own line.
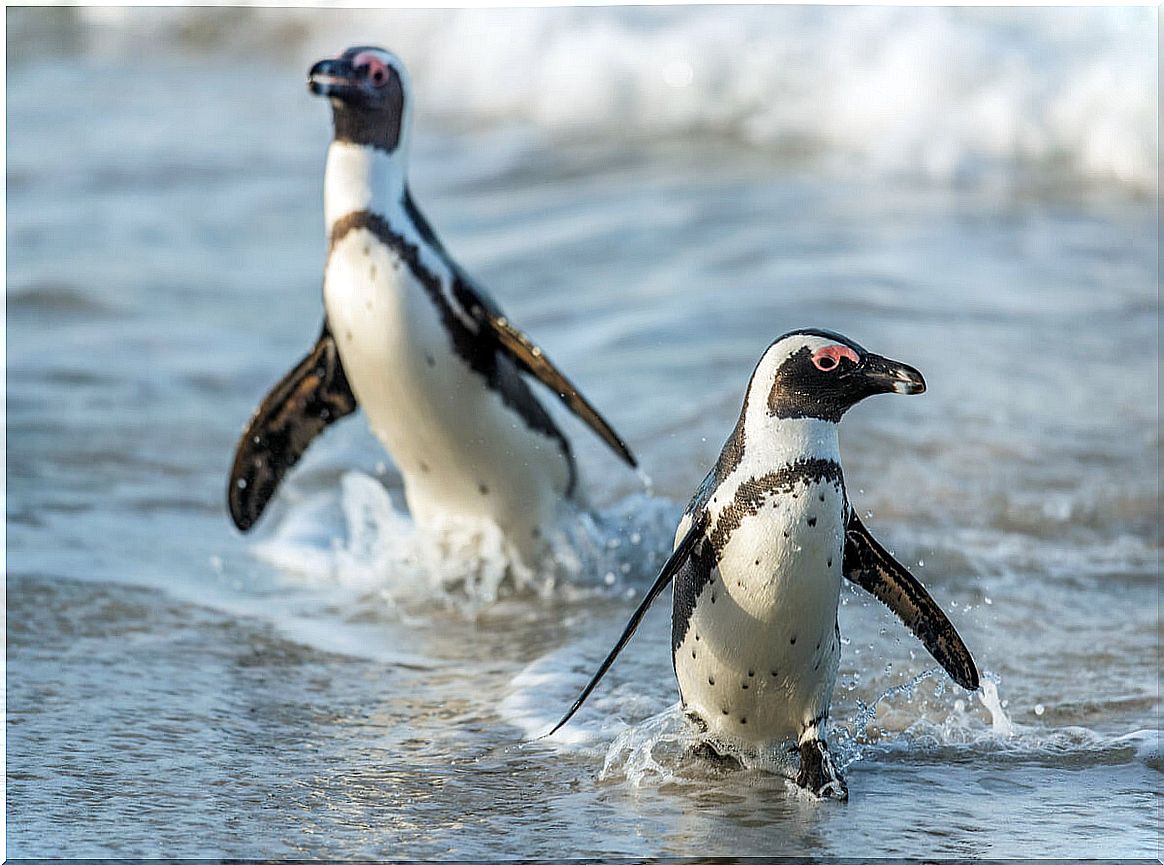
point(947, 94)
point(358, 539)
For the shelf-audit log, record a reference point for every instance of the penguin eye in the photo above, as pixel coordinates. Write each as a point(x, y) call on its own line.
point(829, 358)
point(374, 69)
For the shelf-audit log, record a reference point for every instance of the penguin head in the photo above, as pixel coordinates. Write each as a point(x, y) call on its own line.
point(814, 373)
point(368, 90)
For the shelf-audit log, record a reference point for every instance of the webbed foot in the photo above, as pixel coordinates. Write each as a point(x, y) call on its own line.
point(817, 773)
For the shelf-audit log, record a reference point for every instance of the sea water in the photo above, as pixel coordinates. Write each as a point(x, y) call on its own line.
point(654, 194)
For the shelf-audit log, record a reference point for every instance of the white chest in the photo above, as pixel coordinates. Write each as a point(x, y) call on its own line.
point(463, 452)
point(758, 659)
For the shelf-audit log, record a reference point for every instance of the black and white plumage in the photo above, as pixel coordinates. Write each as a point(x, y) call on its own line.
point(412, 340)
point(760, 553)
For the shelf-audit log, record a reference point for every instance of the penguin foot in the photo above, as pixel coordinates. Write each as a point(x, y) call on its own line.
point(817, 773)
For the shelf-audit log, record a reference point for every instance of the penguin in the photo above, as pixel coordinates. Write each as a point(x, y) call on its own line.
point(759, 556)
point(412, 340)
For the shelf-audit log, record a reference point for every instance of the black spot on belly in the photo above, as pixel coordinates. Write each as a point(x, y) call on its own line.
point(830, 564)
point(757, 562)
point(348, 335)
point(372, 272)
point(725, 711)
point(711, 681)
point(774, 674)
point(812, 521)
point(424, 467)
point(792, 641)
point(535, 532)
point(367, 249)
point(744, 685)
point(822, 497)
point(430, 360)
point(751, 673)
point(743, 720)
point(481, 488)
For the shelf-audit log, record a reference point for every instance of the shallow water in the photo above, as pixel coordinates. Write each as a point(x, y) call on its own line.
point(332, 687)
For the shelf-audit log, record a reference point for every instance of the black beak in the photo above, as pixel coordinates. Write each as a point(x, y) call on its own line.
point(336, 77)
point(890, 376)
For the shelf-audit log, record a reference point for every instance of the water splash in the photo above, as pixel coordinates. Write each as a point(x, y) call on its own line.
point(360, 539)
point(632, 754)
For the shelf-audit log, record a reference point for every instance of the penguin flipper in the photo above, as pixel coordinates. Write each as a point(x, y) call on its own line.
point(312, 395)
point(530, 358)
point(872, 568)
point(678, 558)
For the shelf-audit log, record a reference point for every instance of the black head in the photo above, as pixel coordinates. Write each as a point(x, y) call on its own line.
point(368, 90)
point(821, 374)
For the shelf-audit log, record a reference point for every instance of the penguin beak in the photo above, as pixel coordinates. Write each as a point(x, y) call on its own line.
point(890, 376)
point(334, 77)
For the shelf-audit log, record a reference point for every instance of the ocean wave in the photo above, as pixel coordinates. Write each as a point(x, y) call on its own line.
point(943, 94)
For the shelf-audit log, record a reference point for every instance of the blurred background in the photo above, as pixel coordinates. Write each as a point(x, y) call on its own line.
point(654, 193)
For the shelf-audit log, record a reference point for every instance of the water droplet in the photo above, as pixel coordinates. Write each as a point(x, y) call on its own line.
point(1040, 708)
point(609, 578)
point(241, 483)
point(987, 600)
point(921, 563)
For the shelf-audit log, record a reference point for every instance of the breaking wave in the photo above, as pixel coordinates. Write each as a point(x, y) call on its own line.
point(944, 94)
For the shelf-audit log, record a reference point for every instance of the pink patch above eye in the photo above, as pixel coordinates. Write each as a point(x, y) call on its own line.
point(829, 357)
point(377, 68)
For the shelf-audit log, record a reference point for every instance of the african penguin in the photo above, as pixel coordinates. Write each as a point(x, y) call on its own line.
point(410, 338)
point(760, 552)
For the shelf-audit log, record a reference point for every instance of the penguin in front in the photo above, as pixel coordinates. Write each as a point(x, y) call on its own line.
point(410, 338)
point(759, 556)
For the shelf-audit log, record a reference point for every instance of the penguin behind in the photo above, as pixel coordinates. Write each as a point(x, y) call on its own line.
point(759, 556)
point(409, 337)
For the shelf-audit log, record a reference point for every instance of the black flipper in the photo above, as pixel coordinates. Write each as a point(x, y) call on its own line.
point(314, 394)
point(674, 563)
point(530, 358)
point(873, 569)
